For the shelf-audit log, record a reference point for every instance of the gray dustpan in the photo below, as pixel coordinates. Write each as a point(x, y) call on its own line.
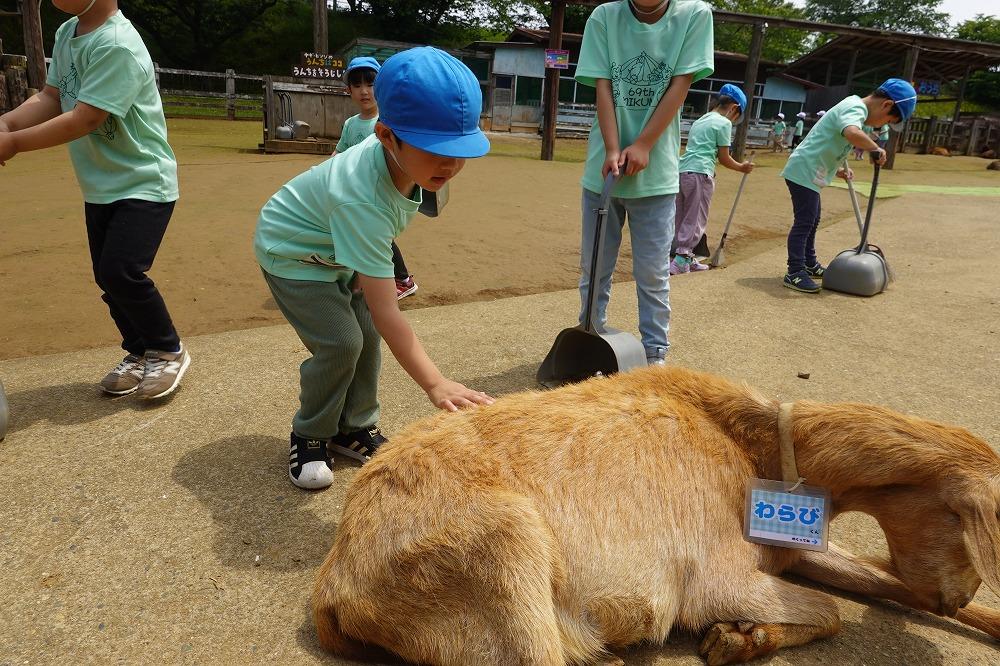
point(582, 352)
point(862, 271)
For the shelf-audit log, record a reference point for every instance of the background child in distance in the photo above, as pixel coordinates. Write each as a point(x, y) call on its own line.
point(778, 130)
point(360, 75)
point(812, 165)
point(100, 98)
point(708, 139)
point(324, 244)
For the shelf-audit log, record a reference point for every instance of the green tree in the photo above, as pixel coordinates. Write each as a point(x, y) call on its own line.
point(192, 33)
point(781, 44)
point(917, 16)
point(984, 86)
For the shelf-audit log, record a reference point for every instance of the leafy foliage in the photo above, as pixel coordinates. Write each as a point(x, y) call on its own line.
point(917, 16)
point(983, 87)
point(781, 44)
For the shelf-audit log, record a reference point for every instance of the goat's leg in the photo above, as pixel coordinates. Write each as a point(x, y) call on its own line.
point(765, 614)
point(839, 568)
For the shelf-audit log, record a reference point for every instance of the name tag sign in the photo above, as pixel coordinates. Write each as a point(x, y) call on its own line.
point(777, 517)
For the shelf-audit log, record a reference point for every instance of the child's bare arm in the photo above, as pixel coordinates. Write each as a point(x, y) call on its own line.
point(637, 154)
point(380, 294)
point(726, 160)
point(608, 123)
point(36, 109)
point(860, 139)
point(64, 128)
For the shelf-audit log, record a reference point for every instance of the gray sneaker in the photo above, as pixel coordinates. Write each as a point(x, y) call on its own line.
point(163, 372)
point(125, 378)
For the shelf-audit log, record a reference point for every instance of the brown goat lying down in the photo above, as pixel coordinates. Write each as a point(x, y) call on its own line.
point(549, 526)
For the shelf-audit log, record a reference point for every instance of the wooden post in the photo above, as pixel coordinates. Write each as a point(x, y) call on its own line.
point(850, 70)
point(958, 107)
point(749, 85)
point(974, 137)
point(550, 107)
point(929, 134)
point(897, 140)
point(320, 25)
point(31, 24)
point(231, 94)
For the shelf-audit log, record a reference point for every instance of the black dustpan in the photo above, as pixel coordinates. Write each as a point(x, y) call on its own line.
point(582, 352)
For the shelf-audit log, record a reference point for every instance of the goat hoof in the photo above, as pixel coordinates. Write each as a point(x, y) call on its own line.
point(733, 643)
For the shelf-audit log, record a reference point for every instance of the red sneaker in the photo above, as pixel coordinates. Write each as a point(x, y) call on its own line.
point(405, 287)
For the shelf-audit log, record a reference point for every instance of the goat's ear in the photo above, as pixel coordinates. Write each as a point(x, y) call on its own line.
point(978, 510)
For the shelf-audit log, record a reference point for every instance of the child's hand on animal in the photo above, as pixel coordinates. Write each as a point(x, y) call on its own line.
point(846, 174)
point(452, 396)
point(610, 163)
point(7, 147)
point(635, 158)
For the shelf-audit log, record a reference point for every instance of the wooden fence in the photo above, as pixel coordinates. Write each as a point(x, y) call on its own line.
point(971, 135)
point(195, 94)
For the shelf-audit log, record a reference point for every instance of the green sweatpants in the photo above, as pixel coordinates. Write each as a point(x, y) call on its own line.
point(339, 382)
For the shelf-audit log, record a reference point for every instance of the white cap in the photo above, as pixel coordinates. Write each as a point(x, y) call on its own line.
point(800, 114)
point(821, 113)
point(781, 115)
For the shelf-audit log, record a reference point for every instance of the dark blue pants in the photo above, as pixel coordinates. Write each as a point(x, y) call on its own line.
point(802, 237)
point(124, 237)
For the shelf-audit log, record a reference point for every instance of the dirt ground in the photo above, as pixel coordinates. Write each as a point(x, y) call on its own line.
point(511, 228)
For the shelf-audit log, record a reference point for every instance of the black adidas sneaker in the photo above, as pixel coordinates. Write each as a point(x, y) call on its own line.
point(309, 464)
point(360, 444)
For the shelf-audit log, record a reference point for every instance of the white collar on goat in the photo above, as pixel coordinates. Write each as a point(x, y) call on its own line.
point(789, 470)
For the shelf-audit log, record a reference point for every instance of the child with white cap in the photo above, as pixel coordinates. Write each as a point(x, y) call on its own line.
point(778, 129)
point(800, 126)
point(708, 140)
point(813, 164)
point(324, 243)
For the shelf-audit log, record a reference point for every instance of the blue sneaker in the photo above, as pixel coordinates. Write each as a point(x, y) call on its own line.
point(816, 271)
point(801, 281)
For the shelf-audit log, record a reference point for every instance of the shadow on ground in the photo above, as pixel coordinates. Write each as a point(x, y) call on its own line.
point(68, 404)
point(244, 482)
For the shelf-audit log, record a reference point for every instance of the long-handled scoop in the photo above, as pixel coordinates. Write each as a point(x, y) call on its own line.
point(854, 200)
point(719, 256)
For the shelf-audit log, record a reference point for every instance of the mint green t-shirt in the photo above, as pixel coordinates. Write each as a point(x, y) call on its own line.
point(815, 162)
point(799, 127)
point(128, 157)
point(640, 60)
point(337, 218)
point(779, 128)
point(356, 129)
point(709, 133)
point(883, 133)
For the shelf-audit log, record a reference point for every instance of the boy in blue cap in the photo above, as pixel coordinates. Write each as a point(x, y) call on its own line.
point(324, 243)
point(641, 56)
point(100, 99)
point(813, 164)
point(708, 139)
point(360, 76)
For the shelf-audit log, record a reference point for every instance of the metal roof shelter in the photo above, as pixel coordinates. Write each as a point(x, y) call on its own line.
point(946, 58)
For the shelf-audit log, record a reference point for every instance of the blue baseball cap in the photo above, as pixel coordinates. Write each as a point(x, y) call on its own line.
point(905, 97)
point(733, 91)
point(362, 62)
point(432, 101)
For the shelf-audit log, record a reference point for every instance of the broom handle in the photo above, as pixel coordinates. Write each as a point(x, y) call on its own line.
point(854, 199)
point(871, 204)
point(732, 211)
point(602, 213)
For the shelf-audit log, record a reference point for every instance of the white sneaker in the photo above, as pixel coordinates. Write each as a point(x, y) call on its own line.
point(309, 464)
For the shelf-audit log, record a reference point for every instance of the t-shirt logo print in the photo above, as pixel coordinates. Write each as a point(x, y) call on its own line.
point(638, 82)
point(69, 85)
